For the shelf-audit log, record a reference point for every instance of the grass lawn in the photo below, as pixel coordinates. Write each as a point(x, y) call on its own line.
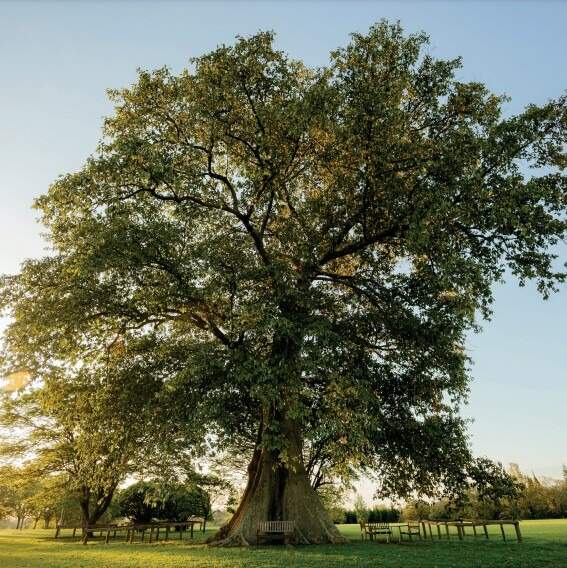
point(545, 544)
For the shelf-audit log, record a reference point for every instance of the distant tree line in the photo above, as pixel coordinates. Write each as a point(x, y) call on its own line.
point(34, 502)
point(373, 515)
point(535, 499)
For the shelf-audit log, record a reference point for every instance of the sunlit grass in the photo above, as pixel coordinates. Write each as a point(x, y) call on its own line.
point(545, 544)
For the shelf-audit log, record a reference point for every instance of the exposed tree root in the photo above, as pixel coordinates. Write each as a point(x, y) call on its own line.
point(278, 492)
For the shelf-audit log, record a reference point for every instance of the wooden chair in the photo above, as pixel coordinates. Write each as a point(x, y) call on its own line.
point(410, 529)
point(276, 530)
point(379, 528)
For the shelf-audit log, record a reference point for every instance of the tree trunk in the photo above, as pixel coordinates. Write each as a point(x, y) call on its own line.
point(276, 492)
point(91, 514)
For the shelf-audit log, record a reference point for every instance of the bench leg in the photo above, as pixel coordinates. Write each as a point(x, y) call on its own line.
point(518, 533)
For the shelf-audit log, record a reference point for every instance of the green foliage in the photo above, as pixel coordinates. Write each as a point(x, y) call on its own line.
point(372, 515)
point(144, 501)
point(383, 515)
point(360, 509)
point(299, 250)
point(133, 505)
point(93, 422)
point(28, 494)
point(515, 496)
point(17, 488)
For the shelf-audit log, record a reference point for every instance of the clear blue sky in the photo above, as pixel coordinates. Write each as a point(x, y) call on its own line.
point(59, 57)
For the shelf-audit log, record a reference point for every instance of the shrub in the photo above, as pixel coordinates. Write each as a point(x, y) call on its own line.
point(145, 501)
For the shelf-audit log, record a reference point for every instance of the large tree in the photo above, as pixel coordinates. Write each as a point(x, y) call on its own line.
point(314, 243)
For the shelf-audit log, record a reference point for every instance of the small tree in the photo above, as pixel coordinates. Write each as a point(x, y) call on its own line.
point(17, 487)
point(361, 509)
point(144, 501)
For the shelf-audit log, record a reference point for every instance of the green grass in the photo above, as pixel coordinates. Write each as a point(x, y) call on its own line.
point(545, 544)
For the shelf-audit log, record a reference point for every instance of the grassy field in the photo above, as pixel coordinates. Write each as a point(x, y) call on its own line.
point(545, 544)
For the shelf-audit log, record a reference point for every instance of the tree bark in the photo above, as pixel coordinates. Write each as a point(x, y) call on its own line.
point(277, 491)
point(91, 515)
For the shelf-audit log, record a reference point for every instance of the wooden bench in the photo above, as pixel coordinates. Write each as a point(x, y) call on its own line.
point(410, 529)
point(198, 520)
point(59, 528)
point(153, 529)
point(462, 524)
point(373, 529)
point(276, 530)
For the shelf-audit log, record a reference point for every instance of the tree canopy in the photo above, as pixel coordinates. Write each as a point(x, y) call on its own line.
point(93, 419)
point(310, 246)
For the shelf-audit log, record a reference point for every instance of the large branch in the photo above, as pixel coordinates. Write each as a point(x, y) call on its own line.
point(337, 251)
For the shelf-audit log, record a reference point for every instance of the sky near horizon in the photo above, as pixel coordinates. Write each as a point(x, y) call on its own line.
point(58, 58)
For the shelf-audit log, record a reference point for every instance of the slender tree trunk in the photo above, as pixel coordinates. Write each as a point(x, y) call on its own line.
point(22, 520)
point(279, 492)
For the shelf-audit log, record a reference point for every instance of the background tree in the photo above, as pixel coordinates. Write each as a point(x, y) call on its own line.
point(361, 509)
point(49, 499)
point(91, 420)
point(16, 489)
point(144, 501)
point(313, 245)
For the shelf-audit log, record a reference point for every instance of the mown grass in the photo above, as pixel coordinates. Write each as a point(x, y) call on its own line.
point(545, 544)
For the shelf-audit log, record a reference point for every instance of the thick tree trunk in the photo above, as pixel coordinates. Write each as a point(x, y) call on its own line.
point(279, 492)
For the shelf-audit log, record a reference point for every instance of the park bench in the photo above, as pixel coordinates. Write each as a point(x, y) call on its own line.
point(90, 530)
point(198, 520)
point(276, 530)
point(462, 525)
point(60, 527)
point(410, 529)
point(153, 529)
point(371, 530)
